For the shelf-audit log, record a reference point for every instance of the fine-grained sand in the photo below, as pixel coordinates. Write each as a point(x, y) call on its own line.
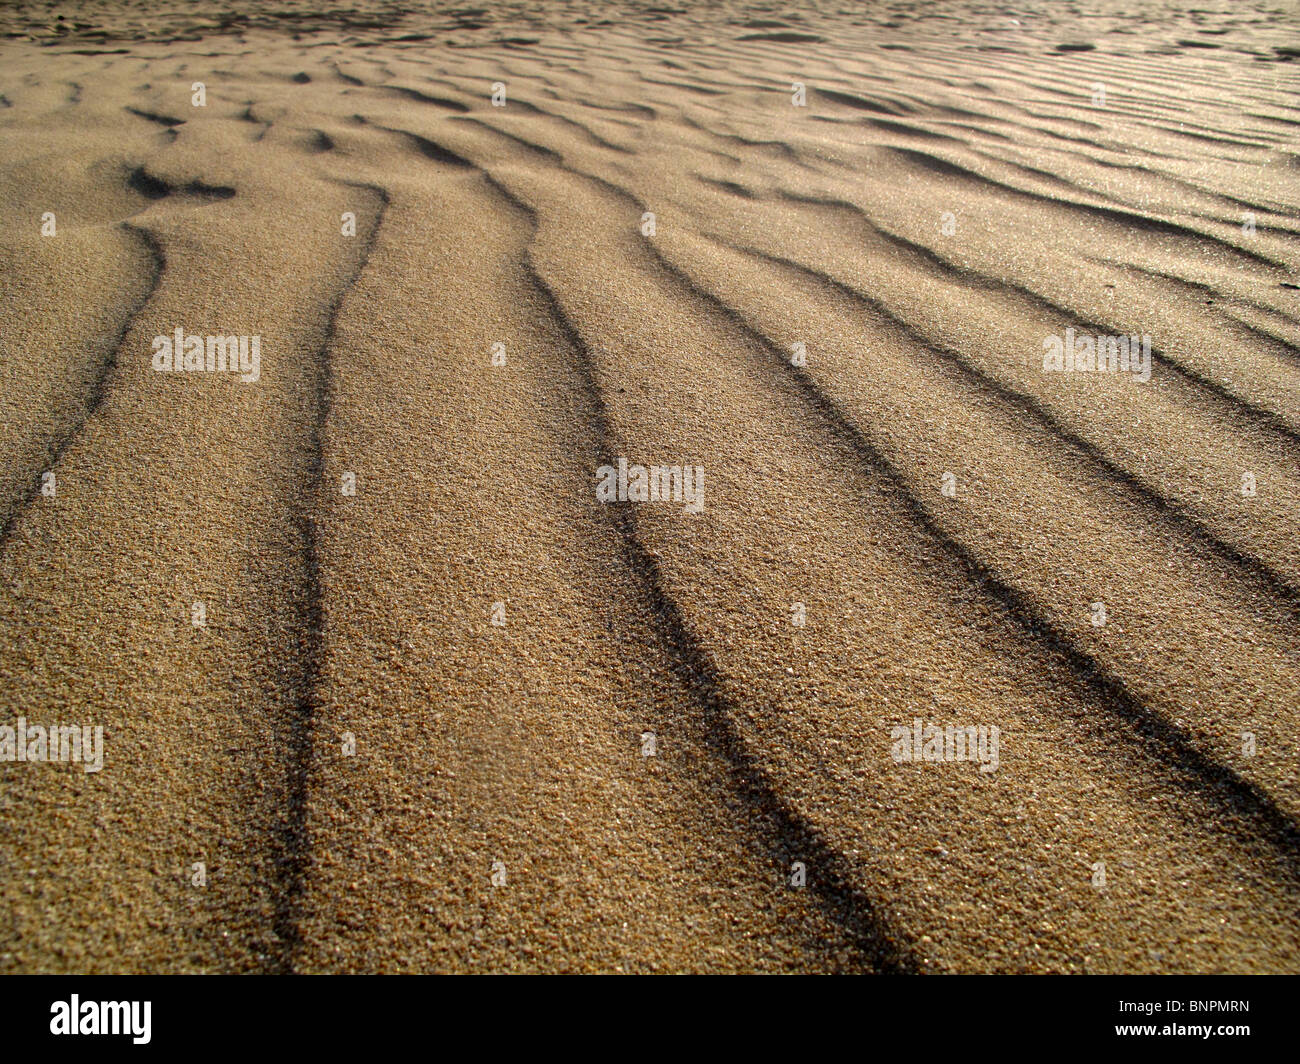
point(468, 717)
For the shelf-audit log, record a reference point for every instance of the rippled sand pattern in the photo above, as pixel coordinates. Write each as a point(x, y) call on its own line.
point(412, 732)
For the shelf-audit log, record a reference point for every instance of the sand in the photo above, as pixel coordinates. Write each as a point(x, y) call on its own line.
point(448, 711)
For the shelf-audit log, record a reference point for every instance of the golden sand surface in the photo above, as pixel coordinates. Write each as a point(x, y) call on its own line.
point(446, 709)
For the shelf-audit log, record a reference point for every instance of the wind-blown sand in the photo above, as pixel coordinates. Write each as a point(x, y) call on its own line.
point(951, 195)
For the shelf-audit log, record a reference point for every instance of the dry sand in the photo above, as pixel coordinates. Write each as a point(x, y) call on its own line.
point(374, 775)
